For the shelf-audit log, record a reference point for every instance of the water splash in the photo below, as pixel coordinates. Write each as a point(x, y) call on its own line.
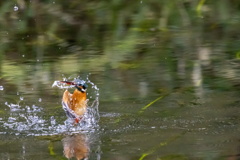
point(1, 88)
point(23, 119)
point(15, 8)
point(29, 120)
point(61, 85)
point(33, 119)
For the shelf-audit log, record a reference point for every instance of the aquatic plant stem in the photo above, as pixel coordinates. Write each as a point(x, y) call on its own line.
point(52, 153)
point(145, 107)
point(149, 104)
point(199, 8)
point(161, 144)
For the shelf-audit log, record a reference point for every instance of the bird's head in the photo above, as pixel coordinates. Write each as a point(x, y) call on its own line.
point(79, 84)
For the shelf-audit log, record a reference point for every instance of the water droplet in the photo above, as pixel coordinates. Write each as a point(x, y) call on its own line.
point(52, 120)
point(23, 149)
point(40, 100)
point(21, 98)
point(15, 8)
point(1, 88)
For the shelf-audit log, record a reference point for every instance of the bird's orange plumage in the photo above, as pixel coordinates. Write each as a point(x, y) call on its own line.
point(75, 105)
point(76, 101)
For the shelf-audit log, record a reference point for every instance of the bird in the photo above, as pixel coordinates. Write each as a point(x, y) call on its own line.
point(75, 104)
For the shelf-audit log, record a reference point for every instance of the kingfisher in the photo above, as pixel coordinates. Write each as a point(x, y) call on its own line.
point(75, 105)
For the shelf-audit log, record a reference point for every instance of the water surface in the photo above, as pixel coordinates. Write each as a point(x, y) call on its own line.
point(165, 76)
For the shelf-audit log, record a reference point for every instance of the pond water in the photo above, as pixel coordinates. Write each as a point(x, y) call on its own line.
point(163, 79)
point(178, 124)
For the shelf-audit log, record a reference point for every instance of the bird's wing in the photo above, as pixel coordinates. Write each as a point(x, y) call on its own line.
point(70, 113)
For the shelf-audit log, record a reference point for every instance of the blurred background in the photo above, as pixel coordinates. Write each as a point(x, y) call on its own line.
point(164, 69)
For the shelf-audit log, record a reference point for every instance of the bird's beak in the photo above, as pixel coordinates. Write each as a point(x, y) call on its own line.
point(68, 82)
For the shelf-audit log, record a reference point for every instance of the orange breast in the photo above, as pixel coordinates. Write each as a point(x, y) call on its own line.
point(76, 101)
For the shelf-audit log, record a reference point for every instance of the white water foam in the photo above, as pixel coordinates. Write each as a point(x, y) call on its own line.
point(32, 120)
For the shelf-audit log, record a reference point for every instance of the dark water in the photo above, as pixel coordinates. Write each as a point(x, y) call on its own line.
point(163, 79)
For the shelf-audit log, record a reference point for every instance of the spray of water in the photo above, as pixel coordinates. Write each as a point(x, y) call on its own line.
point(31, 120)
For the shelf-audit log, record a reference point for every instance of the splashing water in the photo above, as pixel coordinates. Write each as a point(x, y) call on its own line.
point(15, 8)
point(24, 119)
point(31, 120)
point(61, 85)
